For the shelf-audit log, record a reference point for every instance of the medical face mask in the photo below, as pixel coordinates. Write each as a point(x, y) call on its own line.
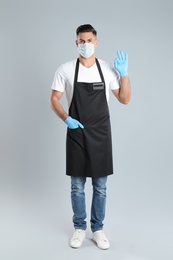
point(86, 50)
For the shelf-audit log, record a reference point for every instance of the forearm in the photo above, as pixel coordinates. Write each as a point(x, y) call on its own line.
point(125, 90)
point(58, 109)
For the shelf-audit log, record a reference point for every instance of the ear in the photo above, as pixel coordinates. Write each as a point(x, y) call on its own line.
point(76, 43)
point(96, 43)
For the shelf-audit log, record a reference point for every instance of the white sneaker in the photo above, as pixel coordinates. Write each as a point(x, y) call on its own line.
point(101, 240)
point(77, 238)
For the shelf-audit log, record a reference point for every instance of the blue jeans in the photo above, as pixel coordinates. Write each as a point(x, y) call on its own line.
point(98, 202)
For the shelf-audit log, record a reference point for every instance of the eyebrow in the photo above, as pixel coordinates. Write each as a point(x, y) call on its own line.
point(84, 40)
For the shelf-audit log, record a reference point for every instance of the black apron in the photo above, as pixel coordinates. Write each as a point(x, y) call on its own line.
point(89, 150)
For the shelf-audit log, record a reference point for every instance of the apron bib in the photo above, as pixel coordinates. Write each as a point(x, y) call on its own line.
point(89, 150)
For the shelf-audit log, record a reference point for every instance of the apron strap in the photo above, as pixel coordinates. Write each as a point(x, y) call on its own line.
point(100, 71)
point(76, 70)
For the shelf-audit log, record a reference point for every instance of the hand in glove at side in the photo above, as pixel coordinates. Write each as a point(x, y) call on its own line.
point(73, 123)
point(121, 63)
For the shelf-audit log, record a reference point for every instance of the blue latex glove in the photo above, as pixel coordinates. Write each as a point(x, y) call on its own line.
point(121, 63)
point(73, 123)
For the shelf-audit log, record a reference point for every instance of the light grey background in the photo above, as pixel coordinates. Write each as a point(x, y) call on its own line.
point(35, 38)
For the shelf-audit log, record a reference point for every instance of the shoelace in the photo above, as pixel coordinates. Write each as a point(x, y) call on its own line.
point(101, 236)
point(77, 234)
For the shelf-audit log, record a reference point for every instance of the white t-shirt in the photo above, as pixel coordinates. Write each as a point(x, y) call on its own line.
point(64, 77)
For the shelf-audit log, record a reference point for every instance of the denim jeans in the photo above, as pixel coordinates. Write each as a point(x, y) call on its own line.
point(98, 202)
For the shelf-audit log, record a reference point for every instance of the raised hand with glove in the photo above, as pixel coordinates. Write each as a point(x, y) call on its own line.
point(73, 123)
point(121, 63)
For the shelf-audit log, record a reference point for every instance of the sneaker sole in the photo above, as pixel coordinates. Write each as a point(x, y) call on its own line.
point(99, 246)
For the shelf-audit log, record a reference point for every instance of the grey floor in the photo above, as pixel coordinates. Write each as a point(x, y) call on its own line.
point(38, 226)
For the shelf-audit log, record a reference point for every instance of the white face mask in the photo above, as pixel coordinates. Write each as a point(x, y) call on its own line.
point(86, 50)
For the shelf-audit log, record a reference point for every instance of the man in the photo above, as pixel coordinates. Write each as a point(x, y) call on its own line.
point(86, 82)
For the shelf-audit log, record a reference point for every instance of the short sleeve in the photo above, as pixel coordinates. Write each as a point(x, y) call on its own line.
point(115, 79)
point(59, 81)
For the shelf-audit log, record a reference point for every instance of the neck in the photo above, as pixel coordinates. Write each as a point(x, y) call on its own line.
point(87, 62)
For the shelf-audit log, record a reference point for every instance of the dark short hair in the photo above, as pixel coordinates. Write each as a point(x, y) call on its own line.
point(86, 28)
